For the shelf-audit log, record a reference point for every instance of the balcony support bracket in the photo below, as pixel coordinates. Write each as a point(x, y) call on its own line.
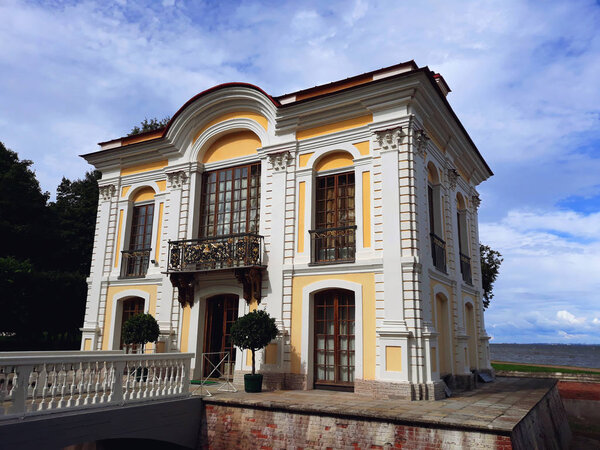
point(184, 282)
point(251, 279)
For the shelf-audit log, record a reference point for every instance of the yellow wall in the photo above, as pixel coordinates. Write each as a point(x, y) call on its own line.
point(143, 194)
point(146, 167)
point(232, 145)
point(333, 127)
point(363, 147)
point(301, 209)
point(124, 190)
point(303, 159)
point(366, 206)
point(149, 289)
point(367, 280)
point(393, 358)
point(271, 352)
point(119, 227)
point(162, 185)
point(334, 160)
point(185, 328)
point(234, 115)
point(87, 345)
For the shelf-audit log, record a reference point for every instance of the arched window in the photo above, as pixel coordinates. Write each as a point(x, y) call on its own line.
point(444, 334)
point(130, 307)
point(334, 236)
point(136, 258)
point(438, 245)
point(463, 239)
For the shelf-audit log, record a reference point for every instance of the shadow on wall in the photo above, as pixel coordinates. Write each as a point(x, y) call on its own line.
point(125, 444)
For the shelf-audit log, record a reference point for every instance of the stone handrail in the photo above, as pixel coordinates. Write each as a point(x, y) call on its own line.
point(50, 382)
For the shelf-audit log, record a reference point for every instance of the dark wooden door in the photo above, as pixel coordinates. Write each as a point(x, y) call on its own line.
point(221, 313)
point(131, 307)
point(334, 339)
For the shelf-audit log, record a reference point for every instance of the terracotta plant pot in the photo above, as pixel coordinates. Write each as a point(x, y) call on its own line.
point(253, 383)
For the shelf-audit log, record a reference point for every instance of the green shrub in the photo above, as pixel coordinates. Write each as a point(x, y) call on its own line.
point(253, 331)
point(140, 329)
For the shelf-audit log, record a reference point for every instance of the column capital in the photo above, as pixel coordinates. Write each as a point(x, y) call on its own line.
point(176, 179)
point(280, 160)
point(421, 140)
point(390, 139)
point(107, 192)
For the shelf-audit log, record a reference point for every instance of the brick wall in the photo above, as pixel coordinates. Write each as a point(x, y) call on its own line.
point(227, 427)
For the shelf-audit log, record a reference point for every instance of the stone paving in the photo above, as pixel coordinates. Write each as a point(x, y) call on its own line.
point(497, 406)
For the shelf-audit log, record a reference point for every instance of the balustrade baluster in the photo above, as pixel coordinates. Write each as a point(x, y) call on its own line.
point(88, 388)
point(81, 384)
point(104, 372)
point(52, 379)
point(34, 388)
point(97, 384)
point(63, 386)
point(43, 380)
point(171, 378)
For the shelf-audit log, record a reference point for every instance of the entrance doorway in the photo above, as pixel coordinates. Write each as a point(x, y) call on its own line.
point(334, 339)
point(221, 313)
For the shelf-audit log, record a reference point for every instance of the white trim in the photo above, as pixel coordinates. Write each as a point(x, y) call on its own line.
point(307, 346)
point(117, 313)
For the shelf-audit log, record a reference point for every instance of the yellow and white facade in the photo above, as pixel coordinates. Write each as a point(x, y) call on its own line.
point(412, 209)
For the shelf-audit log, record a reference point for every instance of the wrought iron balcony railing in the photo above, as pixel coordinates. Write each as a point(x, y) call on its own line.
point(438, 252)
point(331, 245)
point(135, 263)
point(465, 268)
point(218, 252)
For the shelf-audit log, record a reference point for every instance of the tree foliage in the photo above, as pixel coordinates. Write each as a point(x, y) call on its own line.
point(149, 125)
point(490, 267)
point(45, 252)
point(253, 331)
point(140, 329)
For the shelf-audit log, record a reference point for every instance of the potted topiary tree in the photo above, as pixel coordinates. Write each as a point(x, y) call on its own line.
point(139, 330)
point(252, 332)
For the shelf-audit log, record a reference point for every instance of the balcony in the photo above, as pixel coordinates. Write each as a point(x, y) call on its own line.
point(135, 263)
point(333, 245)
point(241, 253)
point(465, 268)
point(438, 252)
point(232, 251)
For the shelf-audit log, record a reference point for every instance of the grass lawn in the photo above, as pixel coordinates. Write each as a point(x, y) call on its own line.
point(546, 369)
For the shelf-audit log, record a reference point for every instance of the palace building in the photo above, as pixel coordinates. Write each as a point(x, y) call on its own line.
point(347, 211)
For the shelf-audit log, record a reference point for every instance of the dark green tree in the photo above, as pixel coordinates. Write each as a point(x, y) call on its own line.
point(75, 213)
point(149, 125)
point(45, 252)
point(140, 329)
point(253, 331)
point(490, 267)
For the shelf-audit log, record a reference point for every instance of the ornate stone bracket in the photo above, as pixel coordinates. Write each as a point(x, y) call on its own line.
point(280, 160)
point(251, 279)
point(390, 139)
point(184, 282)
point(476, 202)
point(421, 140)
point(452, 178)
point(107, 192)
point(177, 179)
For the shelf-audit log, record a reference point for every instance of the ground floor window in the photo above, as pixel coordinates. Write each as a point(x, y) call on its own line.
point(334, 339)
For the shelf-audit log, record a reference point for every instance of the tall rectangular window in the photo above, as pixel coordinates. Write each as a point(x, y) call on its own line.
point(231, 201)
point(334, 239)
point(141, 227)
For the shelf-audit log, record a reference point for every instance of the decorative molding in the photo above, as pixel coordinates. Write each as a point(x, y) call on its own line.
point(279, 161)
point(251, 279)
point(476, 202)
point(390, 139)
point(452, 178)
point(176, 179)
point(421, 140)
point(107, 192)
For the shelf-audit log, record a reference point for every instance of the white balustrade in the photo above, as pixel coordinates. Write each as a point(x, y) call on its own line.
point(48, 382)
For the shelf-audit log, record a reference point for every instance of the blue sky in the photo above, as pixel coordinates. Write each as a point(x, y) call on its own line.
point(524, 77)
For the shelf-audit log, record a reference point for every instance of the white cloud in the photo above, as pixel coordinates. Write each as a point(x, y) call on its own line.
point(566, 316)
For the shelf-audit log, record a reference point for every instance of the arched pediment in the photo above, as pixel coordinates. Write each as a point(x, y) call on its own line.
point(234, 105)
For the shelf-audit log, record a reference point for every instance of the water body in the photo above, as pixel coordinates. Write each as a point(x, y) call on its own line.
point(587, 356)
